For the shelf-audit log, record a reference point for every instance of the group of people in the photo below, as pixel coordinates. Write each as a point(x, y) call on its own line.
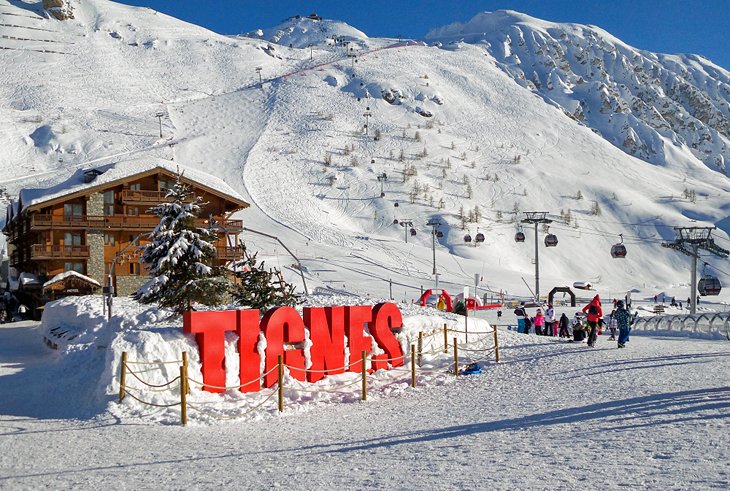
point(546, 324)
point(11, 309)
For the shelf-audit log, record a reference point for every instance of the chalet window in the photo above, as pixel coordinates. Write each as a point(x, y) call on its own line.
point(108, 203)
point(135, 187)
point(72, 210)
point(78, 267)
point(109, 239)
point(134, 269)
point(133, 211)
point(166, 184)
point(72, 239)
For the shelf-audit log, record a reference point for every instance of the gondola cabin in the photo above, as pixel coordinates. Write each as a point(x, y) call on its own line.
point(709, 285)
point(439, 234)
point(618, 251)
point(413, 231)
point(551, 240)
point(467, 238)
point(395, 221)
point(519, 237)
point(479, 237)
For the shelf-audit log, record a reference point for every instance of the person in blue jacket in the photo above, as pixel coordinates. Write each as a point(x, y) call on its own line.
point(624, 321)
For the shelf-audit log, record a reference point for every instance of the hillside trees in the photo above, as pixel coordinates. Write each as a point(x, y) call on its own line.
point(259, 287)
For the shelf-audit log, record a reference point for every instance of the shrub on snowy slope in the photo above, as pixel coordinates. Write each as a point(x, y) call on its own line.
point(180, 256)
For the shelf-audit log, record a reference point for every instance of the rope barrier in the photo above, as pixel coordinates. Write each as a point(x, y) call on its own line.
point(232, 387)
point(148, 384)
point(165, 389)
point(476, 350)
point(223, 417)
point(356, 381)
point(470, 332)
point(153, 362)
point(150, 403)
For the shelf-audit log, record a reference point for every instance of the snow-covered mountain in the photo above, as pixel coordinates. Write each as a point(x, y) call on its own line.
point(483, 120)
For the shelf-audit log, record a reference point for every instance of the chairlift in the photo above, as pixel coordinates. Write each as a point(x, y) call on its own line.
point(519, 237)
point(467, 238)
point(618, 251)
point(551, 240)
point(479, 237)
point(413, 231)
point(708, 284)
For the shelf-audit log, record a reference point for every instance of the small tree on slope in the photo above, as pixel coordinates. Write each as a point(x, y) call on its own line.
point(180, 257)
point(260, 288)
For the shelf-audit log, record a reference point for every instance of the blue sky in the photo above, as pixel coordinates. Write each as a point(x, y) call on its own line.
point(665, 26)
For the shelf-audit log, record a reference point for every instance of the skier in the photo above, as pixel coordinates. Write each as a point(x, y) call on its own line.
point(623, 321)
point(564, 321)
point(551, 328)
point(527, 324)
point(594, 314)
point(539, 323)
point(612, 325)
point(578, 332)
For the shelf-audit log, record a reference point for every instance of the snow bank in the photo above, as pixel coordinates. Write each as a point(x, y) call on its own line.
point(78, 329)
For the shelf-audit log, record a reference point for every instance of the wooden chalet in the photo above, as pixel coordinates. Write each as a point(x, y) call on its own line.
point(89, 223)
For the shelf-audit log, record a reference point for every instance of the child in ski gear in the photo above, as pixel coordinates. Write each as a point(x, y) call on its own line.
point(623, 321)
point(539, 323)
point(594, 314)
point(578, 332)
point(527, 323)
point(612, 324)
point(441, 305)
point(564, 321)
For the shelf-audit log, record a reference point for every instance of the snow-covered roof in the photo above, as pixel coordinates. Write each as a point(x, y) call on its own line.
point(110, 173)
point(70, 274)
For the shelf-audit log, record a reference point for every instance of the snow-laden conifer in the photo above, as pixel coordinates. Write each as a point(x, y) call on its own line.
point(258, 287)
point(180, 256)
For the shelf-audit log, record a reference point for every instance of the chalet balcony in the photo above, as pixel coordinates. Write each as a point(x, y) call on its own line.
point(40, 251)
point(229, 253)
point(142, 197)
point(142, 223)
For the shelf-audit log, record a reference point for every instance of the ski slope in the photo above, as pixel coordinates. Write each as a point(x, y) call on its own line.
point(86, 92)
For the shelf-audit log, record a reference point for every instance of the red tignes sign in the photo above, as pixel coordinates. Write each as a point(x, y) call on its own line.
point(329, 329)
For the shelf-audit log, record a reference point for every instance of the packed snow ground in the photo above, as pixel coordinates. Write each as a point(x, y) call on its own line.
point(550, 415)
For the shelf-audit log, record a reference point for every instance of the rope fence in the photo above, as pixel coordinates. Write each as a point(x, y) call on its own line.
point(182, 382)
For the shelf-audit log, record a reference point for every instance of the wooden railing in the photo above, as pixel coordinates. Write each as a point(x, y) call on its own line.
point(229, 253)
point(40, 251)
point(119, 222)
point(142, 196)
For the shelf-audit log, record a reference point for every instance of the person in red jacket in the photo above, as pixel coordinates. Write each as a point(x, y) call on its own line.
point(593, 313)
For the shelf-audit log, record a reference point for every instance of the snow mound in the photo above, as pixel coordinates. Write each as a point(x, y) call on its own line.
point(301, 32)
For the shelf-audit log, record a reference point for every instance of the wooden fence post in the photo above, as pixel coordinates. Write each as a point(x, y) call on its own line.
point(123, 376)
point(183, 397)
point(364, 369)
point(420, 348)
point(446, 340)
point(281, 383)
point(185, 365)
point(496, 346)
point(456, 358)
point(413, 366)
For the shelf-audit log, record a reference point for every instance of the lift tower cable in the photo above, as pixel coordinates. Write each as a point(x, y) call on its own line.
point(689, 240)
point(535, 217)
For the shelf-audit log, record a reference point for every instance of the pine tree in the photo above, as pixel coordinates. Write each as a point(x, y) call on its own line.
point(260, 288)
point(180, 256)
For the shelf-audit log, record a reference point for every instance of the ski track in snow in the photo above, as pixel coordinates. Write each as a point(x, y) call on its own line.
point(550, 415)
